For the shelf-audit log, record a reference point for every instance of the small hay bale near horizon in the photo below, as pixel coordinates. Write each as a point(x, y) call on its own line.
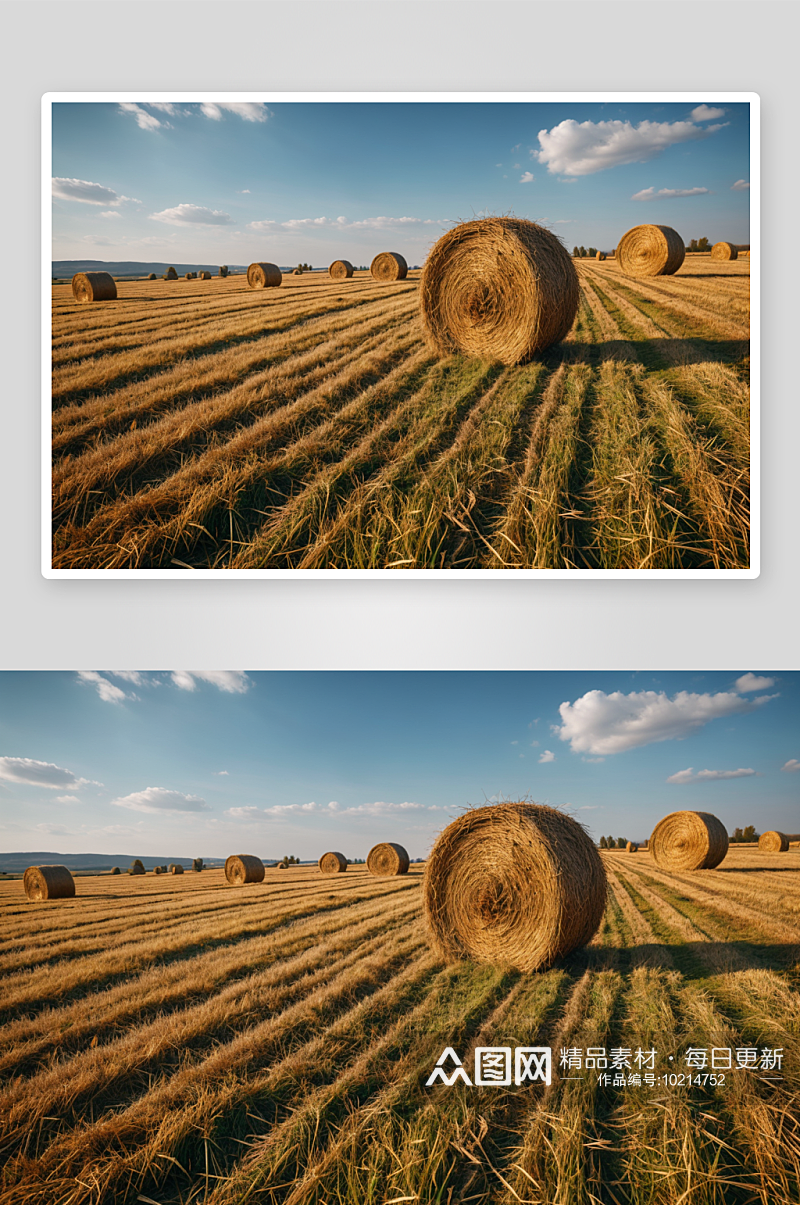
point(157, 870)
point(175, 868)
point(513, 885)
point(600, 255)
point(94, 286)
point(389, 266)
point(264, 276)
point(340, 269)
point(387, 858)
point(115, 870)
point(631, 847)
point(136, 867)
point(332, 863)
point(724, 251)
point(152, 276)
point(223, 270)
point(650, 250)
point(498, 289)
point(48, 883)
point(170, 274)
point(689, 840)
point(775, 842)
point(244, 868)
point(205, 276)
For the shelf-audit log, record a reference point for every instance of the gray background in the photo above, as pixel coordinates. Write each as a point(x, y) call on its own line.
point(436, 46)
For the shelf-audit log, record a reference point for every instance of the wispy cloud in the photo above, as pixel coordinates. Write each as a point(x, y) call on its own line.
point(547, 756)
point(333, 810)
point(791, 766)
point(704, 113)
point(192, 215)
point(39, 774)
point(740, 185)
point(144, 120)
point(248, 111)
point(683, 777)
point(107, 691)
point(750, 682)
point(526, 178)
point(341, 223)
point(159, 799)
point(575, 148)
point(230, 681)
point(88, 192)
point(650, 194)
point(67, 799)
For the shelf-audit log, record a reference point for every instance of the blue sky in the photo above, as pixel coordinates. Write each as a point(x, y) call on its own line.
point(205, 764)
point(291, 182)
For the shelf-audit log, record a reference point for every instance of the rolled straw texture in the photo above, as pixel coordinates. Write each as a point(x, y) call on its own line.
point(387, 858)
point(94, 286)
point(189, 276)
point(774, 842)
point(514, 884)
point(264, 276)
point(650, 251)
point(631, 847)
point(152, 276)
point(205, 276)
point(116, 870)
point(157, 870)
point(48, 883)
point(175, 868)
point(243, 868)
point(297, 272)
point(333, 863)
point(223, 271)
point(600, 255)
point(340, 269)
point(498, 288)
point(689, 841)
point(389, 266)
point(724, 251)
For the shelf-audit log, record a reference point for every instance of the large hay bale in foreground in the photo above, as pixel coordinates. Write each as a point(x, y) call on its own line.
point(513, 884)
point(724, 251)
point(264, 276)
point(631, 847)
point(600, 255)
point(333, 863)
point(650, 251)
point(244, 868)
point(48, 883)
point(387, 858)
point(94, 286)
point(175, 868)
point(388, 266)
point(689, 841)
point(340, 269)
point(774, 842)
point(498, 288)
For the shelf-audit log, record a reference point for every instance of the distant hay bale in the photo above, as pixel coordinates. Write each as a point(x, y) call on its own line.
point(297, 272)
point(189, 276)
point(651, 251)
point(116, 870)
point(136, 867)
point(513, 884)
point(223, 271)
point(387, 858)
point(332, 863)
point(94, 286)
point(498, 288)
point(631, 847)
point(175, 868)
point(264, 276)
point(48, 883)
point(157, 870)
point(689, 841)
point(243, 868)
point(198, 864)
point(340, 269)
point(152, 276)
point(773, 842)
point(170, 274)
point(600, 255)
point(205, 276)
point(724, 251)
point(389, 266)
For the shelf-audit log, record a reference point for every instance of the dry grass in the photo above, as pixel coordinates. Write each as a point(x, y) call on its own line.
point(310, 426)
point(177, 1042)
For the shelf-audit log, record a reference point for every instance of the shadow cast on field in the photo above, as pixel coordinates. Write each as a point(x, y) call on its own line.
point(755, 870)
point(671, 353)
point(706, 959)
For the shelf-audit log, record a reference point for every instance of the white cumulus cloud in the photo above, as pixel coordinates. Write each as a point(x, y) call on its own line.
point(650, 194)
point(144, 120)
point(107, 691)
point(54, 830)
point(67, 799)
point(231, 681)
point(749, 682)
point(87, 191)
point(547, 756)
point(686, 776)
point(192, 215)
point(613, 723)
point(526, 178)
point(248, 111)
point(159, 799)
point(38, 773)
point(791, 765)
point(575, 148)
point(740, 185)
point(704, 113)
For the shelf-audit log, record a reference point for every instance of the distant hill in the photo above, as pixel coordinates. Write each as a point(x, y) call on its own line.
point(15, 863)
point(68, 267)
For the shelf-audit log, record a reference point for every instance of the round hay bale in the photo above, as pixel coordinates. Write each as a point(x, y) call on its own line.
point(631, 847)
point(333, 863)
point(650, 251)
point(157, 870)
point(388, 266)
point(264, 276)
point(340, 269)
point(498, 288)
point(243, 868)
point(116, 870)
point(600, 255)
point(774, 842)
point(297, 272)
point(189, 276)
point(94, 286)
point(152, 276)
point(689, 841)
point(513, 884)
point(136, 867)
point(724, 251)
point(387, 858)
point(223, 271)
point(48, 883)
point(175, 868)
point(205, 276)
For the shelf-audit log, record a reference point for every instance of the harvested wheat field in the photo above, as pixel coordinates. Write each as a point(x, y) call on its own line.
point(310, 426)
point(174, 1041)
